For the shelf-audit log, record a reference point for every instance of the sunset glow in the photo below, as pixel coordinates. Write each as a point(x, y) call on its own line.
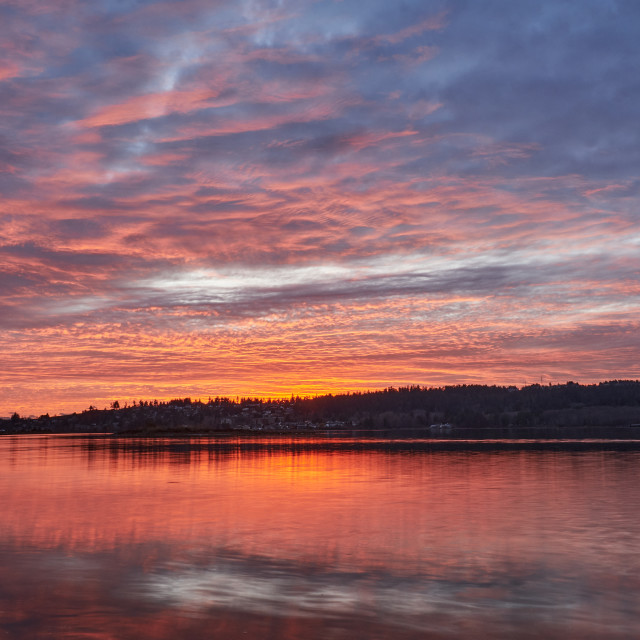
point(266, 198)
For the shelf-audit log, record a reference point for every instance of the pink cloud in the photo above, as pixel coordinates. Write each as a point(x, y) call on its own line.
point(151, 105)
point(433, 23)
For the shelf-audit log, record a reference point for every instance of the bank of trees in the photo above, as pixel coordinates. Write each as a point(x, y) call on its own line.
point(612, 403)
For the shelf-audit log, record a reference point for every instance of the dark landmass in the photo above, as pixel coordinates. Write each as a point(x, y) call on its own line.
point(605, 410)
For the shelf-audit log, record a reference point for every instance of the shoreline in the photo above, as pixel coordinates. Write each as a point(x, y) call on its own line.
point(287, 441)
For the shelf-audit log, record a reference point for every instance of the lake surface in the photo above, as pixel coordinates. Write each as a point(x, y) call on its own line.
point(315, 539)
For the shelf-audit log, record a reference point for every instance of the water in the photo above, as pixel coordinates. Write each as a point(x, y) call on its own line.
point(317, 539)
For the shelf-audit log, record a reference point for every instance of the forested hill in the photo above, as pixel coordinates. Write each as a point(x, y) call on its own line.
point(612, 403)
point(571, 404)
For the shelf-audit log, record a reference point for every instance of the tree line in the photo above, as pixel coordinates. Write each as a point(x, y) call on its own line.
point(610, 403)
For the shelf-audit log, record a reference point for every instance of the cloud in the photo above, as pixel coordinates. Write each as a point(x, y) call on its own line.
point(470, 166)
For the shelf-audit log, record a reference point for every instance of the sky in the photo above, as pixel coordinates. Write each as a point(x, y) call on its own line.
point(214, 197)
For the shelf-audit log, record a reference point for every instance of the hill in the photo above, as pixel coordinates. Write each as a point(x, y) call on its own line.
point(450, 409)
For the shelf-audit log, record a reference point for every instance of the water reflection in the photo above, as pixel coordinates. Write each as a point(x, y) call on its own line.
point(117, 539)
